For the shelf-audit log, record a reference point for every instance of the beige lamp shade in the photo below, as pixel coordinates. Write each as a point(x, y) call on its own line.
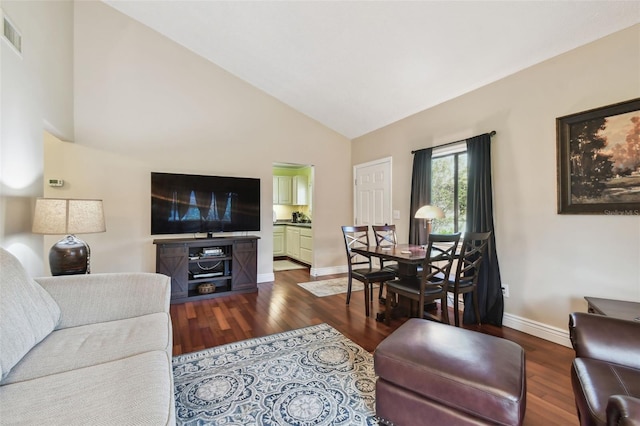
point(429, 212)
point(66, 216)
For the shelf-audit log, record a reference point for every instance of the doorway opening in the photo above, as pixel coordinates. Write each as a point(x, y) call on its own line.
point(292, 216)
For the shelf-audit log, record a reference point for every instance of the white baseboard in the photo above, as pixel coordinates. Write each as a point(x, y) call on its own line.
point(538, 329)
point(265, 278)
point(316, 272)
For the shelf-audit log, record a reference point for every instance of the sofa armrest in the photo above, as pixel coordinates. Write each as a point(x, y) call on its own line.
point(623, 410)
point(93, 298)
point(605, 338)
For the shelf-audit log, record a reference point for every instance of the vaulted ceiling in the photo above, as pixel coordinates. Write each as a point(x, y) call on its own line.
point(357, 66)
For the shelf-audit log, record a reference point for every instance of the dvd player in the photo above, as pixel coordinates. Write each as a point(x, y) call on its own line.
point(212, 251)
point(207, 275)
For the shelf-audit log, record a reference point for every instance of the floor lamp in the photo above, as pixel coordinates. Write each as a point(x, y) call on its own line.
point(56, 216)
point(428, 213)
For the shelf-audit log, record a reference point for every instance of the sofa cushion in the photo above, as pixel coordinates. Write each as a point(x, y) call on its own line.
point(77, 347)
point(93, 298)
point(28, 312)
point(135, 390)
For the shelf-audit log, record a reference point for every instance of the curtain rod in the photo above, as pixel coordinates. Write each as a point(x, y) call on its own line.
point(492, 133)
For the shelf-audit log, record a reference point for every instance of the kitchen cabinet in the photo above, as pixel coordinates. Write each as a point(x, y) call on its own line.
point(279, 241)
point(282, 189)
point(297, 243)
point(293, 242)
point(299, 186)
point(291, 190)
point(306, 245)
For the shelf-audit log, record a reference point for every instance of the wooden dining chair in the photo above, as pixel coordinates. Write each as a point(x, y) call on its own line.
point(356, 237)
point(465, 277)
point(385, 236)
point(432, 284)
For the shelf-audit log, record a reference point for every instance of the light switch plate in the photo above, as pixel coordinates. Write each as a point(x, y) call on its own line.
point(396, 214)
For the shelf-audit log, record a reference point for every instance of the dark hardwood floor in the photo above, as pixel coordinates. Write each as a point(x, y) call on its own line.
point(283, 305)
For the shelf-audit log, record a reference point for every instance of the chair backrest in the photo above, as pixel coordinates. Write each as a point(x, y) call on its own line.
point(441, 251)
point(356, 237)
point(385, 235)
point(472, 253)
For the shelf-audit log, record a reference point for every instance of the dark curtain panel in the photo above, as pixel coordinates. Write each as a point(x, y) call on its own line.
point(480, 219)
point(420, 194)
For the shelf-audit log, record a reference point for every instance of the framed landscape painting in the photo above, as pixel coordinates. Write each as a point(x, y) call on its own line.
point(599, 160)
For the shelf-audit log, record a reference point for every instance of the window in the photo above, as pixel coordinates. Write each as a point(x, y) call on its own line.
point(449, 188)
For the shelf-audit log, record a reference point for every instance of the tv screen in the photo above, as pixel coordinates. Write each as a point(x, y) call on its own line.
point(182, 204)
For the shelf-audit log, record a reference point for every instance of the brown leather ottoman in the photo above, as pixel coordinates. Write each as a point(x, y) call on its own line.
point(432, 373)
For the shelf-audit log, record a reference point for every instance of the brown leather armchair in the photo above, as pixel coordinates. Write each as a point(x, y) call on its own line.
point(606, 372)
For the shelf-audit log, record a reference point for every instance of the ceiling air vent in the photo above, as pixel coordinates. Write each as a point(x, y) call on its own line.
point(11, 34)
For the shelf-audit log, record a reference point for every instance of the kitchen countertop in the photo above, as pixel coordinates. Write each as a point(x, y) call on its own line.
point(289, 223)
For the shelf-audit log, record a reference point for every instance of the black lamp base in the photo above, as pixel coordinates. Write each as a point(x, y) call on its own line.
point(69, 256)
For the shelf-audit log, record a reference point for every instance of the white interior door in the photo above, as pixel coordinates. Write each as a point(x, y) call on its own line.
point(372, 192)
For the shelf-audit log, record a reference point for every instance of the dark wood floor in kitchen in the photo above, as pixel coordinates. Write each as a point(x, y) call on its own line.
point(283, 305)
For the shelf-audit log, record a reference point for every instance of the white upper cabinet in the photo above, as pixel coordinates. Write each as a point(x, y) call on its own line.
point(299, 190)
point(291, 190)
point(282, 190)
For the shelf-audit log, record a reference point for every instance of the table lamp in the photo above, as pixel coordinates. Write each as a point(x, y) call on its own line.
point(428, 213)
point(55, 216)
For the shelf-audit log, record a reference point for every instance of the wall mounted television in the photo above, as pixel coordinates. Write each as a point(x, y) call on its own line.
point(184, 204)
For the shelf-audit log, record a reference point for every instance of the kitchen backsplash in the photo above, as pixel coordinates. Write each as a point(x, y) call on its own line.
point(284, 212)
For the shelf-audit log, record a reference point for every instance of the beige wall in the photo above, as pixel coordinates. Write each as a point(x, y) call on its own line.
point(144, 103)
point(550, 261)
point(36, 95)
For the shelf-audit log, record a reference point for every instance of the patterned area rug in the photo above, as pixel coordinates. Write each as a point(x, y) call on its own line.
point(332, 286)
point(312, 376)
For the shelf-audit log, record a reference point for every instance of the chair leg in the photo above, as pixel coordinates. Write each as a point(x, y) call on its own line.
point(444, 308)
point(366, 298)
point(476, 309)
point(456, 313)
point(348, 289)
point(380, 294)
point(387, 306)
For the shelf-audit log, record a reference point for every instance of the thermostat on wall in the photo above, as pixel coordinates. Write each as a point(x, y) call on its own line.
point(56, 182)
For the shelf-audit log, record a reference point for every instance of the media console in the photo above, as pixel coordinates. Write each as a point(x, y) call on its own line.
point(201, 268)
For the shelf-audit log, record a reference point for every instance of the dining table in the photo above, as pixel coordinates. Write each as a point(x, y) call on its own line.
point(408, 257)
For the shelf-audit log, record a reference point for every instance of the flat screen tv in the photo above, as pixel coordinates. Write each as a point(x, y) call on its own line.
point(184, 204)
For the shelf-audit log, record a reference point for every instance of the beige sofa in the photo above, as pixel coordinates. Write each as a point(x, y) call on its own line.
point(84, 349)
